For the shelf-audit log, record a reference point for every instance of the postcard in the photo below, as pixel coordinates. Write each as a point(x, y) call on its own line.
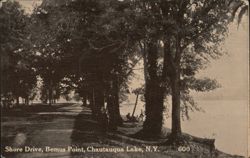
point(124, 78)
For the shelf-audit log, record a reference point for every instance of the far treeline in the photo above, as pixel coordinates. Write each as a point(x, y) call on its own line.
point(91, 47)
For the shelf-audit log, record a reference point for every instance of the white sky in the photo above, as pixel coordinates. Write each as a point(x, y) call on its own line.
point(28, 5)
point(231, 70)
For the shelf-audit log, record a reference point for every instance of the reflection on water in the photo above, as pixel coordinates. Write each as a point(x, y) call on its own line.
point(224, 120)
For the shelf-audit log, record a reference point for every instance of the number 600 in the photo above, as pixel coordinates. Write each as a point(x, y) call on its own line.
point(183, 148)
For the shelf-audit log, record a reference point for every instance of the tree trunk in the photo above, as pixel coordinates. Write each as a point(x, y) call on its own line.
point(111, 112)
point(118, 118)
point(174, 76)
point(98, 100)
point(84, 100)
point(154, 95)
point(136, 101)
point(17, 101)
point(176, 111)
point(50, 92)
point(154, 110)
point(27, 100)
point(92, 103)
point(113, 105)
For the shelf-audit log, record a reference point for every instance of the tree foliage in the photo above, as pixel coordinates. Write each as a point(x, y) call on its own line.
point(18, 77)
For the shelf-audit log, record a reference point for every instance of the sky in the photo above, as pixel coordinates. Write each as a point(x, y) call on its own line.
point(231, 70)
point(28, 5)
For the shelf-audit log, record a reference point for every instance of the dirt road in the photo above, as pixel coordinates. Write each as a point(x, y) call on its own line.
point(38, 130)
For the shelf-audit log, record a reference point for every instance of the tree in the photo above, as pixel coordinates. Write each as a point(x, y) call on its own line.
point(94, 46)
point(176, 38)
point(17, 74)
point(47, 49)
point(145, 25)
point(193, 32)
point(239, 8)
point(137, 92)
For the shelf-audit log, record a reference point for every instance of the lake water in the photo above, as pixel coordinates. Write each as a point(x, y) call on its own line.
point(224, 120)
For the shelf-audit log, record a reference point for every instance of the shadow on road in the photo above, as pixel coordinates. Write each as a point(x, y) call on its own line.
point(86, 133)
point(85, 129)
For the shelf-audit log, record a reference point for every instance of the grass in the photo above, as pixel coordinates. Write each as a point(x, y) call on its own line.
point(23, 110)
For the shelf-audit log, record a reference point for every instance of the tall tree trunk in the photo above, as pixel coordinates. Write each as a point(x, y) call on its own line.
point(176, 111)
point(153, 94)
point(136, 101)
point(116, 90)
point(113, 105)
point(174, 76)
